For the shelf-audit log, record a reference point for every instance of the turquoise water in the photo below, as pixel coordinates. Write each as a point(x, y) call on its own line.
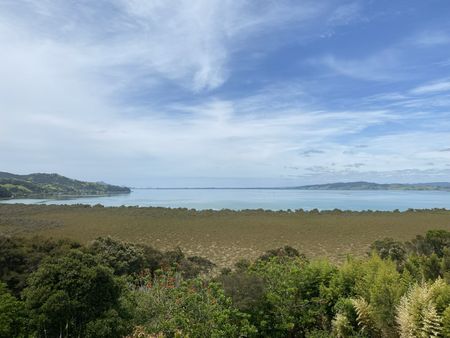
point(238, 199)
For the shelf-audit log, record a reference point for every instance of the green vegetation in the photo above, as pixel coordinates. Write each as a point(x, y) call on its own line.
point(112, 288)
point(223, 236)
point(5, 193)
point(376, 186)
point(37, 185)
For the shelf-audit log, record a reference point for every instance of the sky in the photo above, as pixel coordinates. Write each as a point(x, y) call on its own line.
point(158, 93)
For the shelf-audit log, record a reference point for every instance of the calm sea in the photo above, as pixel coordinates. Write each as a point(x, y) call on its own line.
point(238, 199)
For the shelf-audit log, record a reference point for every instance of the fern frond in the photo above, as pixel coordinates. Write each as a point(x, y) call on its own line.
point(365, 315)
point(417, 315)
point(341, 326)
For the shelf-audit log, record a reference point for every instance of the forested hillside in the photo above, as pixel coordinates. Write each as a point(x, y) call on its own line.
point(34, 185)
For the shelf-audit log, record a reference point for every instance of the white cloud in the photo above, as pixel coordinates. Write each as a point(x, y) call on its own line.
point(431, 88)
point(432, 38)
point(66, 65)
point(378, 67)
point(185, 41)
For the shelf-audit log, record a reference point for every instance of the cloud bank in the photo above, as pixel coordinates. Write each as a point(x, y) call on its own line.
point(132, 91)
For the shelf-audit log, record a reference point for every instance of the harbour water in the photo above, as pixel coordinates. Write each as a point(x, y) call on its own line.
point(273, 199)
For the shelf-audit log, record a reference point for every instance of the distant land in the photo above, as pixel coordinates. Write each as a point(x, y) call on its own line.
point(438, 186)
point(39, 184)
point(377, 186)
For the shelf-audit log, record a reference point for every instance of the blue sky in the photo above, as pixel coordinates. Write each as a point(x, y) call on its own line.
point(224, 93)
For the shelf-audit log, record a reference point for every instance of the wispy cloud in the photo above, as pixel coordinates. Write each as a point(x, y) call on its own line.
point(431, 38)
point(119, 89)
point(435, 87)
point(378, 67)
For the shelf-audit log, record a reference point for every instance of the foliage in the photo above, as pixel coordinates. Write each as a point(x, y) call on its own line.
point(435, 241)
point(366, 317)
point(390, 249)
point(72, 295)
point(193, 308)
point(446, 322)
point(5, 193)
point(382, 287)
point(417, 313)
point(288, 296)
point(19, 257)
point(236, 234)
point(111, 288)
point(341, 326)
point(131, 259)
point(286, 251)
point(12, 315)
point(247, 290)
point(124, 258)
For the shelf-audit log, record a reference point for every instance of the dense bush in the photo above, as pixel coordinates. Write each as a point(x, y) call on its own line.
point(131, 259)
point(73, 295)
point(13, 320)
point(19, 257)
point(195, 308)
point(5, 193)
point(111, 288)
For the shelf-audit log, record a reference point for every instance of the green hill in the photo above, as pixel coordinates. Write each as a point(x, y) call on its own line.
point(35, 185)
point(376, 186)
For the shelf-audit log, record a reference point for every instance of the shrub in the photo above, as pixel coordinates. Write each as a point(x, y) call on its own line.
point(72, 294)
point(12, 315)
point(194, 308)
point(417, 313)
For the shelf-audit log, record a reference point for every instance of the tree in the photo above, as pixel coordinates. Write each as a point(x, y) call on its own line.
point(122, 257)
point(19, 257)
point(286, 251)
point(12, 315)
point(293, 302)
point(72, 294)
point(133, 259)
point(390, 249)
point(382, 287)
point(168, 306)
point(5, 193)
point(435, 241)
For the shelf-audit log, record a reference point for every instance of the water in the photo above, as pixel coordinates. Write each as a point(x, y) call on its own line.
point(238, 199)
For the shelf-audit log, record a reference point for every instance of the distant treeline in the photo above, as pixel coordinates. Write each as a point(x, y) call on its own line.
point(182, 210)
point(111, 288)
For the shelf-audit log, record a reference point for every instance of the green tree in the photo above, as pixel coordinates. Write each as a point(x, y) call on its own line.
point(374, 287)
point(5, 193)
point(435, 241)
point(431, 267)
point(294, 301)
point(390, 249)
point(382, 287)
point(12, 315)
point(122, 257)
point(70, 295)
point(19, 257)
point(193, 308)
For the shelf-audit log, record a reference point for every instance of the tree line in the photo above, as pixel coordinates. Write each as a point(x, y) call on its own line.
point(110, 288)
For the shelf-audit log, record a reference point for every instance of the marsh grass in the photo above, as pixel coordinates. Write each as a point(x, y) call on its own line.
point(223, 236)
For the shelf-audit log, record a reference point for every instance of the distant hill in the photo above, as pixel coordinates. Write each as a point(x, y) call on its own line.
point(377, 186)
point(35, 185)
